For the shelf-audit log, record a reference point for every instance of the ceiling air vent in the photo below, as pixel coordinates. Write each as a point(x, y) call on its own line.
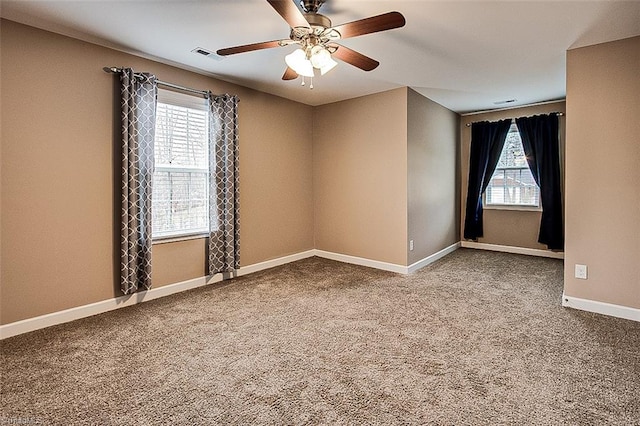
point(207, 53)
point(508, 101)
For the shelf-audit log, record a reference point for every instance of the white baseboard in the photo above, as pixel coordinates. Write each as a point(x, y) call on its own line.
point(513, 249)
point(391, 267)
point(430, 259)
point(244, 270)
point(61, 317)
point(42, 321)
point(603, 308)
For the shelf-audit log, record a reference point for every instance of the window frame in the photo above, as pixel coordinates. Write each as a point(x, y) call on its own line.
point(514, 207)
point(170, 97)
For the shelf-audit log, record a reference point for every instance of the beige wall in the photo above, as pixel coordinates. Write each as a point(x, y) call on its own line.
point(432, 207)
point(602, 173)
point(276, 202)
point(57, 190)
point(360, 177)
point(178, 261)
point(504, 227)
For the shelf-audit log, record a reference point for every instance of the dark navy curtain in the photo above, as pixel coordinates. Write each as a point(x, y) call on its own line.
point(487, 140)
point(539, 136)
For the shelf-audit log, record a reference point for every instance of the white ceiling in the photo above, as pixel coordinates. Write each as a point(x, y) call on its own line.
point(465, 55)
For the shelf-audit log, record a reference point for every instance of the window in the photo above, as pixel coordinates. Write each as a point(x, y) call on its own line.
point(512, 184)
point(180, 198)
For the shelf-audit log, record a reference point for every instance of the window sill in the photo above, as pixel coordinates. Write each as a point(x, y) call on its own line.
point(177, 238)
point(514, 208)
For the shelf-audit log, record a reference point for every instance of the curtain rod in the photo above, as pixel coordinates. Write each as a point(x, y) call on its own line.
point(115, 70)
point(560, 114)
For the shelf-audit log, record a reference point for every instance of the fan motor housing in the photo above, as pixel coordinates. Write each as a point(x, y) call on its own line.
point(318, 21)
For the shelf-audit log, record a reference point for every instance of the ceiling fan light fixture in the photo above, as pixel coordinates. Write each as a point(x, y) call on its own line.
point(297, 61)
point(321, 59)
point(320, 56)
point(329, 65)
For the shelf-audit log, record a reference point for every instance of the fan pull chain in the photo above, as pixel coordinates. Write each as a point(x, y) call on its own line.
point(310, 82)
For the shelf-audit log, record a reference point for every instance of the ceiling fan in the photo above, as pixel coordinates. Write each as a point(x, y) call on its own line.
point(317, 39)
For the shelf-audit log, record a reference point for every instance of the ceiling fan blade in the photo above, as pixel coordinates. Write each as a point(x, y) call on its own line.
point(374, 24)
point(249, 47)
point(289, 74)
point(288, 10)
point(354, 58)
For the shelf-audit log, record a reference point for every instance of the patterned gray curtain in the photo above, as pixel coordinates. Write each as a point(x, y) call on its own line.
point(224, 250)
point(138, 102)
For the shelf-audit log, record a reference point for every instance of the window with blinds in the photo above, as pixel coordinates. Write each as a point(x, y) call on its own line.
point(512, 184)
point(181, 180)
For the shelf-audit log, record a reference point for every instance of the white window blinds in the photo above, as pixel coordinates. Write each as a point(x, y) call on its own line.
point(181, 179)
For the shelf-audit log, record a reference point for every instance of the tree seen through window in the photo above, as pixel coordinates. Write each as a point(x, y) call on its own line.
point(512, 183)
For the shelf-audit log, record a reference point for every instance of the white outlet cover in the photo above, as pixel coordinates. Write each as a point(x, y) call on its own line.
point(581, 272)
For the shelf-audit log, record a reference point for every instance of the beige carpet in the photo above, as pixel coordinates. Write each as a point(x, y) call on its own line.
point(475, 338)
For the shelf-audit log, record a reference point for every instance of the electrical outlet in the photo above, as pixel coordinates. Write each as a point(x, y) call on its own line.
point(581, 272)
point(410, 245)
